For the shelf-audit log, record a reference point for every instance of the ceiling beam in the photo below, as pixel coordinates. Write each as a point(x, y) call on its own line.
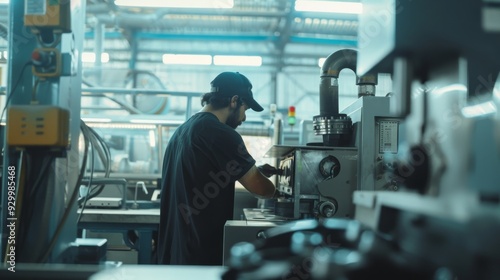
point(212, 52)
point(264, 64)
point(284, 34)
point(352, 41)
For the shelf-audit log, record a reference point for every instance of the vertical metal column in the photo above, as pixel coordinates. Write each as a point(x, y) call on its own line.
point(99, 50)
point(134, 51)
point(50, 205)
point(67, 169)
point(274, 84)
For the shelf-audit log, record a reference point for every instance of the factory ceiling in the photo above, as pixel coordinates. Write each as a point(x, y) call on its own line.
point(272, 29)
point(137, 38)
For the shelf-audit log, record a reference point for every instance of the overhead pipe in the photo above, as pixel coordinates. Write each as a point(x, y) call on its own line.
point(129, 20)
point(337, 128)
point(98, 8)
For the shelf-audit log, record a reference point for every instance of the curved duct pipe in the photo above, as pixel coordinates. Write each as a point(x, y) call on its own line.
point(337, 128)
point(329, 87)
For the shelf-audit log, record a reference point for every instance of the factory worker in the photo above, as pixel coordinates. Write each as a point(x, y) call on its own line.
point(203, 159)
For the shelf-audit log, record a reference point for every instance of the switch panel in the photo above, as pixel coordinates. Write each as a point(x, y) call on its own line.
point(286, 178)
point(37, 125)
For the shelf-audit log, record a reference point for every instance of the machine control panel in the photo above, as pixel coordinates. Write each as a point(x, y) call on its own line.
point(388, 131)
point(388, 136)
point(286, 178)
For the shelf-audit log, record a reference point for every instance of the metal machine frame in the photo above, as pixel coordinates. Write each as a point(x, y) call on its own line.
point(311, 191)
point(377, 143)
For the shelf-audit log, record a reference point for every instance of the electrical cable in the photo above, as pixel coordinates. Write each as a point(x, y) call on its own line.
point(42, 190)
point(95, 143)
point(104, 153)
point(102, 148)
point(106, 150)
point(92, 155)
point(70, 203)
point(37, 165)
point(93, 146)
point(107, 154)
point(106, 162)
point(43, 169)
point(85, 134)
point(14, 88)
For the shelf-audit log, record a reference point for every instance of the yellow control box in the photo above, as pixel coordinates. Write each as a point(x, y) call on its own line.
point(37, 125)
point(53, 14)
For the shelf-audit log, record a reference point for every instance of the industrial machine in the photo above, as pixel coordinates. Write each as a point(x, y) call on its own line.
point(443, 158)
point(317, 180)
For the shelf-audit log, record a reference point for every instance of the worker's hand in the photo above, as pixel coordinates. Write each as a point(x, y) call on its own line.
point(268, 170)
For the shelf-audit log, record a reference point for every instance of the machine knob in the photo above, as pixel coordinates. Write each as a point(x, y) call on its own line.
point(327, 209)
point(42, 58)
point(261, 234)
point(329, 167)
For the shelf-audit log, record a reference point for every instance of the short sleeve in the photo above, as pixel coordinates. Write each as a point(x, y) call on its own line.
point(229, 153)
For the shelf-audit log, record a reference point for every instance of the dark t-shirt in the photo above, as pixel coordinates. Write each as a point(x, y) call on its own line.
point(203, 159)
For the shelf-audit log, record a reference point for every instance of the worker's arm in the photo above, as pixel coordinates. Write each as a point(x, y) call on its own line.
point(258, 184)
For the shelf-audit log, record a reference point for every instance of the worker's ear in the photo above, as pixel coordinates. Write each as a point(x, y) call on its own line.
point(234, 102)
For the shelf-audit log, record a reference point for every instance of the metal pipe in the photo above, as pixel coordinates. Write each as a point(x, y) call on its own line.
point(99, 8)
point(338, 61)
point(135, 205)
point(98, 50)
point(366, 84)
point(334, 127)
point(132, 20)
point(139, 91)
point(329, 87)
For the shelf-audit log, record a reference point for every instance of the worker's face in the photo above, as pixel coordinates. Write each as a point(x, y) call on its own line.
point(237, 115)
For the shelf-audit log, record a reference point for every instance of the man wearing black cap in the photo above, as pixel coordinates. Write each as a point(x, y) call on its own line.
point(203, 159)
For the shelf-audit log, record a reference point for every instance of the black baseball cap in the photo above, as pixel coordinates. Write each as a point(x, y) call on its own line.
point(233, 83)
